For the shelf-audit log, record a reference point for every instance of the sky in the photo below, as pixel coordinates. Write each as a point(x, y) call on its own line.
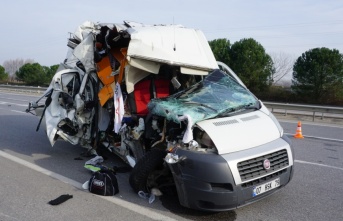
point(38, 29)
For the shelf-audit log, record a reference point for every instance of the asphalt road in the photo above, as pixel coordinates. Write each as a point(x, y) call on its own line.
point(33, 173)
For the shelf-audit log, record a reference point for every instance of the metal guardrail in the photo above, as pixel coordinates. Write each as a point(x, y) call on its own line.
point(335, 112)
point(23, 89)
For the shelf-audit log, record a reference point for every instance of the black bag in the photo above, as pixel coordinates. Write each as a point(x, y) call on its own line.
point(103, 183)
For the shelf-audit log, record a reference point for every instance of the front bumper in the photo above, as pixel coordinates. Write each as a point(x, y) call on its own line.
point(206, 182)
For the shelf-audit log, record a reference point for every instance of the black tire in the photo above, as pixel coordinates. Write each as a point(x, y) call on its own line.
point(136, 151)
point(145, 166)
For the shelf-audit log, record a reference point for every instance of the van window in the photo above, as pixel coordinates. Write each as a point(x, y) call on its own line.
point(217, 95)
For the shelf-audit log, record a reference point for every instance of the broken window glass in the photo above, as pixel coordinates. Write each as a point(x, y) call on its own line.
point(217, 95)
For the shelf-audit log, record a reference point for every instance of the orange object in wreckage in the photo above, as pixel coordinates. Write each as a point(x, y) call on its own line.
point(105, 74)
point(105, 70)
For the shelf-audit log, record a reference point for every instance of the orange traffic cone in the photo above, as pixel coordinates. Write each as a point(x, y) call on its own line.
point(298, 133)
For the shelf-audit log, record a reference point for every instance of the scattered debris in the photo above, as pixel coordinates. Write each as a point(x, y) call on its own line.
point(95, 161)
point(78, 158)
point(149, 196)
point(94, 164)
point(60, 199)
point(85, 186)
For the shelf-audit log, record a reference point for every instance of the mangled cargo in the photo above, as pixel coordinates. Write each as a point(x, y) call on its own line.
point(155, 96)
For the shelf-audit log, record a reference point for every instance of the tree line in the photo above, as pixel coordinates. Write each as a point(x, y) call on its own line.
point(28, 72)
point(317, 75)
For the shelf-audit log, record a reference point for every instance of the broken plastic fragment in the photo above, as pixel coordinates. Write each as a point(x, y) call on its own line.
point(193, 145)
point(80, 104)
point(131, 160)
point(85, 186)
point(92, 168)
point(140, 125)
point(94, 164)
point(156, 192)
point(188, 136)
point(143, 195)
point(138, 131)
point(171, 158)
point(149, 196)
point(175, 83)
point(94, 161)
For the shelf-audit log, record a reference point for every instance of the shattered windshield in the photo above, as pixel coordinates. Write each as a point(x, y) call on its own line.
point(218, 95)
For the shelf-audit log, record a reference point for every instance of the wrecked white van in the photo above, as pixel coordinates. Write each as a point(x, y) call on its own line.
point(155, 96)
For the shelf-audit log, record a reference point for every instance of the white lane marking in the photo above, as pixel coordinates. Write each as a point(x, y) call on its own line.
point(22, 105)
point(21, 112)
point(127, 205)
point(319, 138)
point(27, 101)
point(13, 99)
point(318, 164)
point(22, 94)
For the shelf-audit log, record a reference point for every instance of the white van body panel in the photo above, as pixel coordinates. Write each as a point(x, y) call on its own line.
point(240, 132)
point(173, 45)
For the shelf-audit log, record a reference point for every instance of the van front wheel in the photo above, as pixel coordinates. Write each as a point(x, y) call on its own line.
point(147, 170)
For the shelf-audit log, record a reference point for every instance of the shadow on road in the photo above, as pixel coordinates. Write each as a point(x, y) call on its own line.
point(171, 202)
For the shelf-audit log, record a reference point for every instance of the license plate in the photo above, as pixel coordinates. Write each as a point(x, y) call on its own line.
point(257, 190)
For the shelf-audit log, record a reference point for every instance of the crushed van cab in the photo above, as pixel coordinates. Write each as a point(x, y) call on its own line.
point(155, 96)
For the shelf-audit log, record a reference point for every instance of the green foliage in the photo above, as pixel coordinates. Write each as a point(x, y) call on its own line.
point(252, 64)
point(220, 49)
point(35, 74)
point(51, 71)
point(3, 74)
point(318, 76)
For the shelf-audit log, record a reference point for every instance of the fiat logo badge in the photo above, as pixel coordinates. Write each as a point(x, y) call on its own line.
point(266, 164)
